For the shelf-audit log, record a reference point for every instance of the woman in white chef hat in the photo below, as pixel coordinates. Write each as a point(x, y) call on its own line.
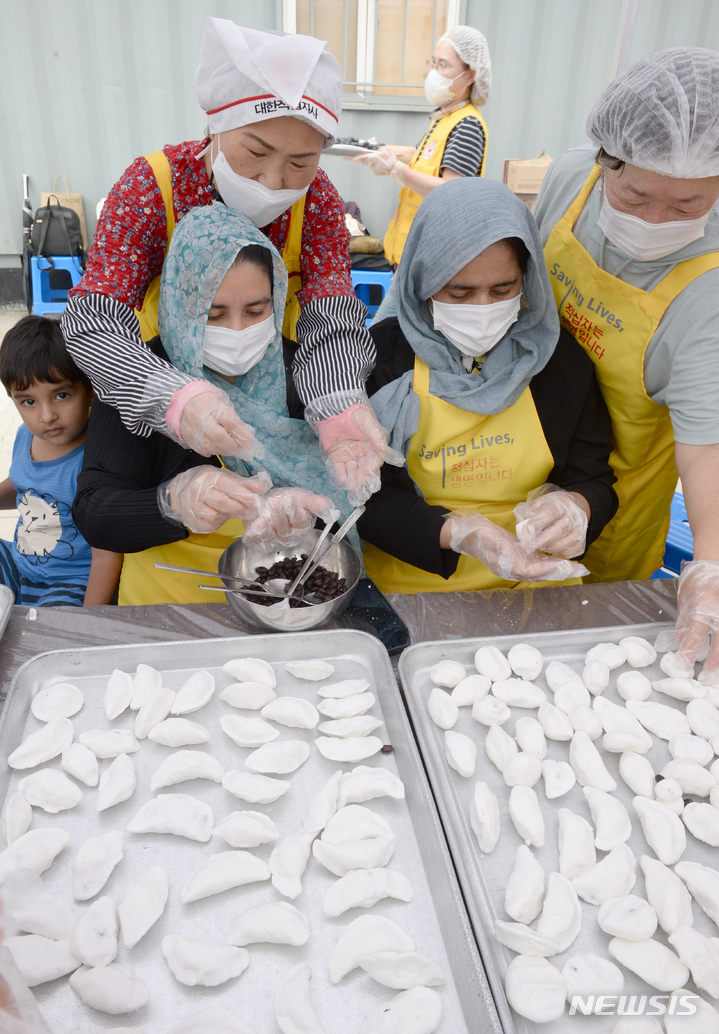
point(631, 235)
point(272, 102)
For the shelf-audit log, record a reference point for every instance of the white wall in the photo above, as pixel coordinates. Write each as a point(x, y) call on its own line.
point(88, 85)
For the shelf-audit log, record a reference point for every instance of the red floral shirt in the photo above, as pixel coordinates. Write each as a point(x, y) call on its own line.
point(128, 249)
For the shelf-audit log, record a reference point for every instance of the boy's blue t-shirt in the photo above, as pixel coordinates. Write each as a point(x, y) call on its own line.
point(48, 545)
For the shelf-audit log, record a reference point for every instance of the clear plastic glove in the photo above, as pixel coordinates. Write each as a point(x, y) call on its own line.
point(203, 498)
point(19, 1013)
point(290, 514)
point(209, 424)
point(475, 535)
point(553, 521)
point(698, 602)
point(355, 447)
point(379, 162)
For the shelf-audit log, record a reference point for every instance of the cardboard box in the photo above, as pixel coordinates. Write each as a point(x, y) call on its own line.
point(524, 176)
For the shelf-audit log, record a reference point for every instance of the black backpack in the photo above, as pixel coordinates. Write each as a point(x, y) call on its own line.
point(56, 231)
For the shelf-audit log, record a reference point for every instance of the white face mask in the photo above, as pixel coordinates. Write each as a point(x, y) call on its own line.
point(436, 87)
point(646, 241)
point(234, 352)
point(260, 204)
point(474, 329)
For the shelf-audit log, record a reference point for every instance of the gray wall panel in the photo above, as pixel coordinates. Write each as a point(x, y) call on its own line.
point(90, 84)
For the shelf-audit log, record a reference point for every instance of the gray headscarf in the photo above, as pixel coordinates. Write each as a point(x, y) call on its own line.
point(452, 226)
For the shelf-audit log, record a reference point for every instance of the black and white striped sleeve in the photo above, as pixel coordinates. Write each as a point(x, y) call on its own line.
point(103, 337)
point(335, 355)
point(464, 149)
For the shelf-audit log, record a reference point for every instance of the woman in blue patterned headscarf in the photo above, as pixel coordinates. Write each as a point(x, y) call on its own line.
point(141, 496)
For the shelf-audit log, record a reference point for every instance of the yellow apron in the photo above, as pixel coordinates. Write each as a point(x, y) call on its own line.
point(428, 159)
point(147, 315)
point(142, 584)
point(467, 459)
point(614, 322)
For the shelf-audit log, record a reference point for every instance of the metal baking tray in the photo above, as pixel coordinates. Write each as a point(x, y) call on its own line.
point(483, 878)
point(7, 602)
point(436, 919)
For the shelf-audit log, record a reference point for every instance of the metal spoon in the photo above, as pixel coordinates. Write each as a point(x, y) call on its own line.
point(310, 598)
point(337, 537)
point(272, 587)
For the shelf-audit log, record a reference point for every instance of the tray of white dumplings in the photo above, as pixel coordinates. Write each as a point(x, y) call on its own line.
point(231, 835)
point(577, 779)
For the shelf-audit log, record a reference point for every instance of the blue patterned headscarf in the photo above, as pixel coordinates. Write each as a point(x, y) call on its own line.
point(452, 226)
point(204, 247)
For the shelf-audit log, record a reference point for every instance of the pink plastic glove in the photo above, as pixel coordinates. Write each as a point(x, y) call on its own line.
point(355, 444)
point(290, 514)
point(698, 602)
point(553, 521)
point(203, 498)
point(475, 535)
point(379, 162)
point(202, 417)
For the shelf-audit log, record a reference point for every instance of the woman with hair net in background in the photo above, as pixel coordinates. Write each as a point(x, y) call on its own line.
point(631, 236)
point(455, 145)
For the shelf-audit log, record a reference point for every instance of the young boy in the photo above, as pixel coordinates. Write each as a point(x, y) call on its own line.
point(48, 563)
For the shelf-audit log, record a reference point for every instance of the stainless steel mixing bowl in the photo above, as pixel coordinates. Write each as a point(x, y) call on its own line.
point(243, 562)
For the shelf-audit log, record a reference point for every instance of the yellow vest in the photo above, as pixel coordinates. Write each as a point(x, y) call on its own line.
point(458, 458)
point(147, 315)
point(427, 159)
point(614, 322)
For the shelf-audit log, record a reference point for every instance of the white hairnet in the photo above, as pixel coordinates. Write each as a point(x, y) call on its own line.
point(471, 47)
point(662, 114)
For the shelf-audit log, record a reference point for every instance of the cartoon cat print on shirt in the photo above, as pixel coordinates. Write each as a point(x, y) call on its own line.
point(40, 529)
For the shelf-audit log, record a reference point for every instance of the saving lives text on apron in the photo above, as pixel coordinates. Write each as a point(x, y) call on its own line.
point(147, 315)
point(614, 322)
point(428, 159)
point(459, 458)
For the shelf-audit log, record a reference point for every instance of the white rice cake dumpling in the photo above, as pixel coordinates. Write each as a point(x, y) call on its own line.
point(362, 888)
point(194, 693)
point(222, 871)
point(248, 696)
point(255, 789)
point(80, 762)
point(143, 904)
point(40, 959)
point(288, 862)
point(342, 728)
point(246, 829)
point(276, 923)
point(416, 1011)
point(46, 915)
point(62, 700)
point(365, 936)
point(202, 963)
point(94, 939)
point(43, 745)
point(108, 743)
point(117, 783)
point(251, 669)
point(217, 1021)
point(279, 758)
point(402, 969)
point(346, 688)
point(118, 695)
point(34, 851)
point(322, 805)
point(348, 749)
point(293, 712)
point(175, 813)
point(294, 1009)
point(50, 790)
point(147, 679)
point(155, 709)
point(95, 860)
point(313, 671)
point(184, 765)
point(112, 989)
point(248, 732)
point(16, 819)
point(355, 838)
point(364, 783)
point(346, 707)
point(178, 732)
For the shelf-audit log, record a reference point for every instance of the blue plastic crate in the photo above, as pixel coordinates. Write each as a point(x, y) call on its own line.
point(45, 299)
point(371, 287)
point(680, 541)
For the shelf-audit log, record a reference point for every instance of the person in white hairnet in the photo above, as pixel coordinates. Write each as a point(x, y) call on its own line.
point(631, 235)
point(455, 145)
point(272, 102)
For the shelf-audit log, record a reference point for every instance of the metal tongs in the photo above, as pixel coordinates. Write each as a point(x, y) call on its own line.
point(318, 554)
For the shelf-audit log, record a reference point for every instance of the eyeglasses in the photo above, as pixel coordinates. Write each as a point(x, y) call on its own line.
point(443, 66)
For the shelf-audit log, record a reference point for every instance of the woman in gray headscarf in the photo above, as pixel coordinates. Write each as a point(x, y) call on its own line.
point(496, 410)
